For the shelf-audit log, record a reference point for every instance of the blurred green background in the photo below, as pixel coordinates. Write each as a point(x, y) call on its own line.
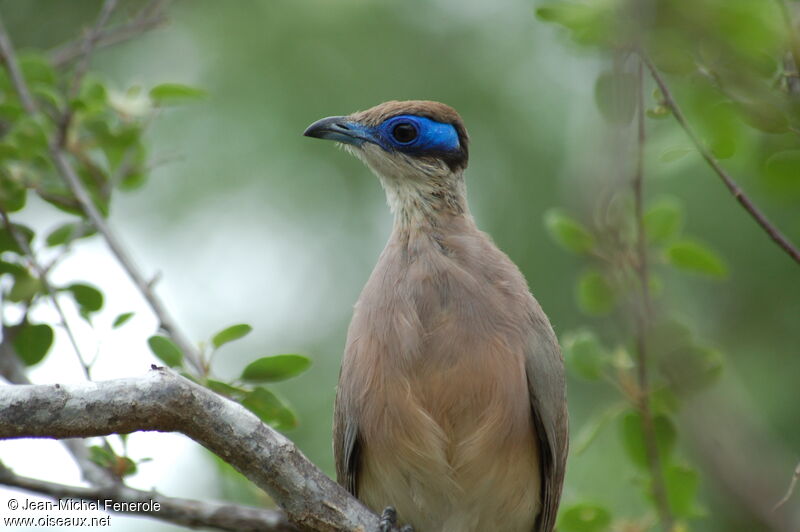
point(248, 221)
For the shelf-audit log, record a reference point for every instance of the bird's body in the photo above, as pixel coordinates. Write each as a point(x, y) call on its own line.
point(450, 404)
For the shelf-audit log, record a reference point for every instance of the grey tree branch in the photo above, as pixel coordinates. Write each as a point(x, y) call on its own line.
point(184, 512)
point(65, 168)
point(14, 372)
point(744, 200)
point(151, 16)
point(165, 402)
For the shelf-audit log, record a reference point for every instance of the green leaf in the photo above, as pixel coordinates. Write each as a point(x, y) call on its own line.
point(68, 232)
point(269, 409)
point(25, 287)
point(37, 68)
point(658, 112)
point(663, 220)
point(693, 256)
point(682, 483)
point(174, 93)
point(12, 192)
point(32, 342)
point(674, 154)
point(9, 243)
point(223, 388)
point(125, 467)
point(102, 456)
point(166, 350)
point(568, 232)
point(782, 173)
point(12, 268)
point(615, 95)
point(633, 440)
point(595, 295)
point(591, 23)
point(229, 334)
point(120, 320)
point(584, 355)
point(584, 517)
point(275, 368)
point(88, 298)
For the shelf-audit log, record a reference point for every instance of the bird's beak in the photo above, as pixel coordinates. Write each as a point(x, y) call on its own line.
point(341, 129)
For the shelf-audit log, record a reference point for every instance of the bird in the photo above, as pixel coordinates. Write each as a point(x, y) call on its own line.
point(450, 411)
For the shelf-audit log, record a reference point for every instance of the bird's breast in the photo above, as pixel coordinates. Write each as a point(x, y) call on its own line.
point(436, 368)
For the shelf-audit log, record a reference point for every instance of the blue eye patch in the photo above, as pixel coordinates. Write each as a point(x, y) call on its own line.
point(415, 134)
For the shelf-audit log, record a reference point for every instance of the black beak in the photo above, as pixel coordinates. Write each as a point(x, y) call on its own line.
point(340, 129)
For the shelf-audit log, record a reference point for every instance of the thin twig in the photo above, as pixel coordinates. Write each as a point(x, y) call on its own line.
point(149, 17)
point(77, 188)
point(83, 66)
point(51, 294)
point(790, 489)
point(773, 232)
point(10, 60)
point(642, 319)
point(184, 512)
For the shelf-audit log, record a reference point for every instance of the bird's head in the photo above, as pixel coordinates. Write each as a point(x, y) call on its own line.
point(419, 150)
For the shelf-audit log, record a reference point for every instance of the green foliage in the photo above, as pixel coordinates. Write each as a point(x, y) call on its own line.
point(229, 334)
point(663, 220)
point(32, 341)
point(166, 351)
point(275, 368)
point(174, 93)
point(584, 517)
point(68, 232)
point(596, 296)
point(88, 298)
point(568, 232)
point(682, 483)
point(119, 466)
point(696, 257)
point(122, 319)
point(269, 408)
point(633, 439)
point(584, 355)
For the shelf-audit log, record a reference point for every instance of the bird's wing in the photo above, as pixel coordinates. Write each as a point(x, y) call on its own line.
point(345, 446)
point(544, 366)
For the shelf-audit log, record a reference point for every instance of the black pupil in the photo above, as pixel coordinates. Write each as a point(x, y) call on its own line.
point(404, 133)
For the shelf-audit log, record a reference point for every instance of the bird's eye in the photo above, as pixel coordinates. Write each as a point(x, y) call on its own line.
point(404, 132)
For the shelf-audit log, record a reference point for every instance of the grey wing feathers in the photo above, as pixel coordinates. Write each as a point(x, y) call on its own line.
point(545, 371)
point(345, 448)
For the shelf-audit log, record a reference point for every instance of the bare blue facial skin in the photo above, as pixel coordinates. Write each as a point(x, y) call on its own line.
point(420, 135)
point(431, 135)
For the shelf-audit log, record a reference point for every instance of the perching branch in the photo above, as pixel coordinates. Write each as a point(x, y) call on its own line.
point(165, 402)
point(151, 16)
point(76, 187)
point(183, 512)
point(642, 320)
point(14, 372)
point(773, 232)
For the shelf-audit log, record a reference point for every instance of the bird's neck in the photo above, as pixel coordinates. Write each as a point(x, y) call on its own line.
point(426, 207)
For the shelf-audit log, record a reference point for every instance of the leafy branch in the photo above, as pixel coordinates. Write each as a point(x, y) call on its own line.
point(743, 199)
